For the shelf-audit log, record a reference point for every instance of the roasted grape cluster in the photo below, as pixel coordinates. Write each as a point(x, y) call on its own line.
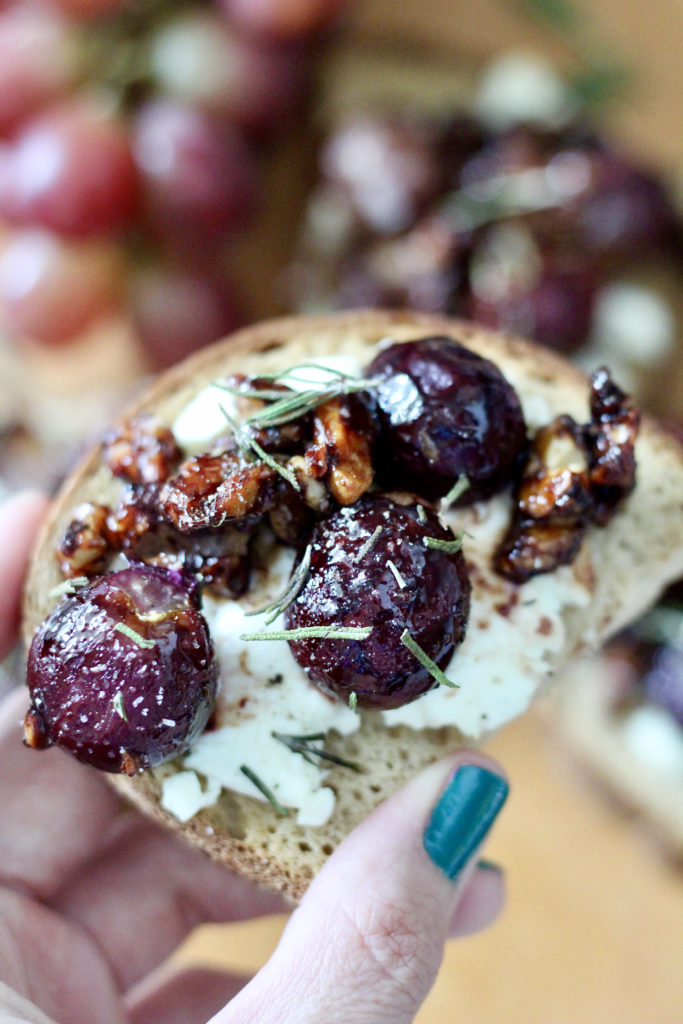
point(523, 228)
point(131, 137)
point(350, 473)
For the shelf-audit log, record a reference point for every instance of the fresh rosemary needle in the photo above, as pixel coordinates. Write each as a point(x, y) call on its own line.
point(304, 745)
point(449, 546)
point(461, 485)
point(141, 641)
point(268, 793)
point(313, 633)
point(118, 705)
point(424, 659)
point(369, 544)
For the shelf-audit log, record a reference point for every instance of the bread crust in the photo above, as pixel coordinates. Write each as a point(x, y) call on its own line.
point(634, 557)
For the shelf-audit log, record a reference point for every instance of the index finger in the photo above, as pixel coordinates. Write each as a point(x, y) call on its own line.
point(20, 516)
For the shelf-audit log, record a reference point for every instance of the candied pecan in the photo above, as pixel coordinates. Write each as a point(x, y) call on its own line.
point(555, 477)
point(535, 547)
point(84, 548)
point(311, 487)
point(610, 440)
point(553, 502)
point(341, 449)
point(208, 490)
point(141, 451)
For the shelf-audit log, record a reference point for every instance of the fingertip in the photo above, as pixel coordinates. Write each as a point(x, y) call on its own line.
point(20, 516)
point(482, 901)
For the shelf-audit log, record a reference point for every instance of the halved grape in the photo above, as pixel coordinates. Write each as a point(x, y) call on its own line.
point(372, 566)
point(122, 672)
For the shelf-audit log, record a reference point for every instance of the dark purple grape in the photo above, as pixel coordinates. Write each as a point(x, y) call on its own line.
point(445, 412)
point(628, 210)
point(122, 673)
point(555, 311)
point(351, 583)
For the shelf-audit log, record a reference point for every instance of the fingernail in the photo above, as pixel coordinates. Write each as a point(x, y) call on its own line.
point(463, 816)
point(489, 865)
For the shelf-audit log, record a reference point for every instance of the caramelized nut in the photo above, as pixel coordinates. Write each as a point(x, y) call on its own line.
point(85, 545)
point(208, 490)
point(141, 451)
point(342, 449)
point(610, 438)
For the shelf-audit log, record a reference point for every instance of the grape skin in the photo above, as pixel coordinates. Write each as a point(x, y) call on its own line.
point(351, 585)
point(113, 701)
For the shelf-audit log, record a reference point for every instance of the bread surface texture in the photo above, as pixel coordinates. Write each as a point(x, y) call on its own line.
point(629, 562)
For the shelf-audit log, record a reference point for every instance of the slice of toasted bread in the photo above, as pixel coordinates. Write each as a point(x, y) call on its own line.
point(623, 565)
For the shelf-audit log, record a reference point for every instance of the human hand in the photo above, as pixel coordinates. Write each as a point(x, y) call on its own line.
point(94, 898)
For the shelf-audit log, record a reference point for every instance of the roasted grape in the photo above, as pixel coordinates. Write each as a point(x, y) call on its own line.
point(372, 566)
point(445, 413)
point(122, 672)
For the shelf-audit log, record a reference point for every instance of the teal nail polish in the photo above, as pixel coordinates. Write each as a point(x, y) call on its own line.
point(463, 816)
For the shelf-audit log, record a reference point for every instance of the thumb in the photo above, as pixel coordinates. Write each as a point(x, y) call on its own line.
point(367, 940)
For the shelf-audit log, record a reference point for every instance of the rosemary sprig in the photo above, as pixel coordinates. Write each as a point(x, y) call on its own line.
point(369, 544)
point(424, 659)
point(353, 700)
point(396, 574)
point(250, 448)
point(449, 546)
point(313, 633)
point(141, 641)
point(68, 587)
point(292, 405)
point(303, 745)
point(461, 485)
point(118, 705)
point(268, 793)
point(422, 514)
point(296, 582)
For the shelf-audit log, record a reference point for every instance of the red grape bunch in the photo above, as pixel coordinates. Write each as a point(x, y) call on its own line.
point(130, 137)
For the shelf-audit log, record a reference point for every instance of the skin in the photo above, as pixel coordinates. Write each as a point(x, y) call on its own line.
point(94, 898)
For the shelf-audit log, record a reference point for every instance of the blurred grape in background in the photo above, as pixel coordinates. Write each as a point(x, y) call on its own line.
point(133, 140)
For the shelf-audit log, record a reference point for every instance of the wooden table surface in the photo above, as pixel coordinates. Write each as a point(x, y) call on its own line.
point(593, 929)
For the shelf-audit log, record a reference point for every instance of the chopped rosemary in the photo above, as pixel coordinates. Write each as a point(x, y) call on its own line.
point(263, 455)
point(424, 659)
point(303, 745)
point(461, 485)
point(268, 793)
point(368, 545)
point(67, 587)
point(396, 574)
point(141, 641)
point(353, 700)
point(250, 447)
point(449, 546)
point(313, 633)
point(421, 514)
point(296, 582)
point(119, 706)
